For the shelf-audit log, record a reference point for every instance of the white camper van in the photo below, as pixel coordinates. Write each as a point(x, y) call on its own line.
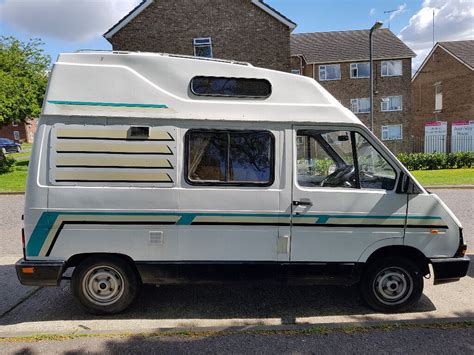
point(155, 168)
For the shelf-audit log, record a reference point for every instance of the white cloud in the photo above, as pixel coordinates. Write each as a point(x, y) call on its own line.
point(372, 12)
point(454, 21)
point(69, 20)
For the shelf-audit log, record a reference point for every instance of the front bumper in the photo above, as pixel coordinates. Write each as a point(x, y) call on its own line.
point(449, 269)
point(39, 273)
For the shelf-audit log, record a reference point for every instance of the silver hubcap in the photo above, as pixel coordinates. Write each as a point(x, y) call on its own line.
point(393, 285)
point(103, 285)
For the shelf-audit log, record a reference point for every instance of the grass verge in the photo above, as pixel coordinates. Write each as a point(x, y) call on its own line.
point(445, 177)
point(15, 181)
point(349, 329)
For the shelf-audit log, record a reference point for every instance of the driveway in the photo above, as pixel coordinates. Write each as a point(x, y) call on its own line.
point(29, 310)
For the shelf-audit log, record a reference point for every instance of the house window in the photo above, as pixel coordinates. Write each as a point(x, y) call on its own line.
point(360, 105)
point(330, 72)
point(203, 47)
point(360, 70)
point(392, 68)
point(392, 132)
point(222, 157)
point(391, 103)
point(438, 97)
point(296, 71)
point(15, 124)
point(16, 135)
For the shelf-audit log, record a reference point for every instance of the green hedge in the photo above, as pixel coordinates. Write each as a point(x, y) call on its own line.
point(6, 164)
point(434, 161)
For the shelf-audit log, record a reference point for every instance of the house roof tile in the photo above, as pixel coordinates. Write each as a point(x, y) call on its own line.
point(463, 50)
point(344, 46)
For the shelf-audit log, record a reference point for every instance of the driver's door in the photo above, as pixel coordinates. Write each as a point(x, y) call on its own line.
point(341, 208)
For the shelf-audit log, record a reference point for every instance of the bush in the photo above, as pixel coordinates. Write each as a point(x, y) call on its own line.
point(434, 161)
point(6, 164)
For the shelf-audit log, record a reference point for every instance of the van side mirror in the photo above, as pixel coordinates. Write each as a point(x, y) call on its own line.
point(406, 185)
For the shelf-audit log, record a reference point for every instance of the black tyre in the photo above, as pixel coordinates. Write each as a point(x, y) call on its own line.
point(104, 284)
point(392, 284)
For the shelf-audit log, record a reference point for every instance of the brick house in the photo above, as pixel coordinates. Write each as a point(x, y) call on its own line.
point(22, 132)
point(443, 87)
point(339, 61)
point(245, 30)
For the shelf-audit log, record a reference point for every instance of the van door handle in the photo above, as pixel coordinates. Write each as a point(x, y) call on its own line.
point(302, 203)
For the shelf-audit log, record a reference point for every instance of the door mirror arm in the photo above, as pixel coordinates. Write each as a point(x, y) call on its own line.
point(406, 185)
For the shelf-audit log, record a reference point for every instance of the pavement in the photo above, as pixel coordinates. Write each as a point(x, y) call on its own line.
point(29, 310)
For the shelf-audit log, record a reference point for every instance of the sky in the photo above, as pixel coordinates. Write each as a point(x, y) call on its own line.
point(69, 25)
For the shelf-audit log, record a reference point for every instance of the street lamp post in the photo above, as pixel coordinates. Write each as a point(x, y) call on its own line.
point(376, 26)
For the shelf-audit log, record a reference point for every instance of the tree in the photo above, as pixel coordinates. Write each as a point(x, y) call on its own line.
point(23, 79)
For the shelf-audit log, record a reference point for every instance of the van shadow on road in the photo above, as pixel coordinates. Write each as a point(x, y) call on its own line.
point(206, 302)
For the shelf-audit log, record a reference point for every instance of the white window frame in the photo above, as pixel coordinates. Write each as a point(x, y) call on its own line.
point(356, 103)
point(385, 68)
point(438, 97)
point(296, 71)
point(323, 68)
point(385, 129)
point(199, 42)
point(388, 100)
point(14, 124)
point(356, 66)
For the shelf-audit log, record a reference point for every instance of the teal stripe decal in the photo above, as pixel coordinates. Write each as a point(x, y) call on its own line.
point(47, 220)
point(41, 231)
point(110, 104)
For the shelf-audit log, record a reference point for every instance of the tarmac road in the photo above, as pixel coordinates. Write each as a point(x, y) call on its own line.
point(26, 310)
point(408, 341)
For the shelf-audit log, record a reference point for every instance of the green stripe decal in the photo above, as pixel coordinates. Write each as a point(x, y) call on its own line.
point(109, 104)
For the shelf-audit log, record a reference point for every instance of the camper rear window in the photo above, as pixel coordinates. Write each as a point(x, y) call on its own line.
point(231, 87)
point(229, 157)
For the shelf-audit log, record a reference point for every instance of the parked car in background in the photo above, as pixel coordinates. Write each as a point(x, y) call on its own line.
point(9, 146)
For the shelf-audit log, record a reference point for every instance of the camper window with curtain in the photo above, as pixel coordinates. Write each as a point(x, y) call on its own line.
point(215, 157)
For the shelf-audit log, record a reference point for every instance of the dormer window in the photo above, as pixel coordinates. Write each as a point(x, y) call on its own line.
point(203, 47)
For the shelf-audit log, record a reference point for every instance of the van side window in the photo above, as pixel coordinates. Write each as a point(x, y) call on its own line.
point(218, 157)
point(374, 171)
point(326, 159)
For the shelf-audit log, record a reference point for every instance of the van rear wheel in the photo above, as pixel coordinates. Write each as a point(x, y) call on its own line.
point(104, 284)
point(392, 284)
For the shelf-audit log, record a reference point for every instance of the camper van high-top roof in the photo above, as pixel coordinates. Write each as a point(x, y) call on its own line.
point(124, 84)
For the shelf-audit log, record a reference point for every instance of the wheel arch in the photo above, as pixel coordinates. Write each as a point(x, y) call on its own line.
point(76, 259)
point(401, 251)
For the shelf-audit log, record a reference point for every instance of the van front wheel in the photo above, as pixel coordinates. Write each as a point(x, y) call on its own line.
point(392, 284)
point(104, 285)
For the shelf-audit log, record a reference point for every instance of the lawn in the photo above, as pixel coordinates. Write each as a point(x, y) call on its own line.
point(16, 180)
point(445, 177)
